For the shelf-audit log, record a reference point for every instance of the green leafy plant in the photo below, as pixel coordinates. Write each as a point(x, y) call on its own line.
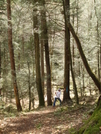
point(39, 125)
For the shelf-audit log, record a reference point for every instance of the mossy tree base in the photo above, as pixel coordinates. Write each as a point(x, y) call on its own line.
point(93, 124)
point(99, 102)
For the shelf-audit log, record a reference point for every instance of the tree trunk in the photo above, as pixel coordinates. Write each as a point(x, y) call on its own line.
point(45, 37)
point(42, 54)
point(98, 65)
point(37, 58)
point(66, 6)
point(29, 88)
point(96, 81)
point(100, 61)
point(18, 68)
point(98, 42)
point(0, 59)
point(11, 51)
point(4, 70)
point(0, 66)
point(74, 83)
point(99, 102)
point(23, 47)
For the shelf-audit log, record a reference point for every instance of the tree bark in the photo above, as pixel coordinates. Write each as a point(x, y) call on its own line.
point(98, 41)
point(0, 59)
point(74, 83)
point(29, 87)
point(47, 58)
point(37, 58)
point(66, 6)
point(0, 66)
point(94, 78)
point(11, 51)
point(42, 53)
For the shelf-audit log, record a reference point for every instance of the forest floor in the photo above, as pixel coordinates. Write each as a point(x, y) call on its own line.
point(47, 120)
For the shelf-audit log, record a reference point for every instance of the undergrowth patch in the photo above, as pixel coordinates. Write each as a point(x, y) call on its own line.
point(92, 125)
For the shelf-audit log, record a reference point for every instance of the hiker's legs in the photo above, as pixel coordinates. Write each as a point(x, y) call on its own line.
point(54, 102)
point(60, 101)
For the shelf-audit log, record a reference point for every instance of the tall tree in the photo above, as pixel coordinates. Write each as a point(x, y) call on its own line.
point(98, 39)
point(2, 9)
point(42, 53)
point(66, 7)
point(45, 37)
point(37, 56)
point(11, 51)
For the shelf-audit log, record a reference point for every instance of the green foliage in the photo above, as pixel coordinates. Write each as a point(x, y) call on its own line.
point(2, 103)
point(57, 1)
point(60, 110)
point(39, 125)
point(72, 130)
point(9, 111)
point(2, 7)
point(2, 2)
point(92, 125)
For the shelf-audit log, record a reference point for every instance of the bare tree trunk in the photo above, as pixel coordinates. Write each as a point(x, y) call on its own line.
point(11, 51)
point(18, 61)
point(100, 62)
point(0, 59)
point(98, 41)
point(42, 55)
point(0, 66)
point(45, 37)
point(74, 83)
point(37, 58)
point(29, 89)
point(66, 6)
point(23, 48)
point(77, 15)
point(83, 81)
point(4, 71)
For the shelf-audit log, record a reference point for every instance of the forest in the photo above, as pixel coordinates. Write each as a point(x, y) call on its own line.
point(49, 47)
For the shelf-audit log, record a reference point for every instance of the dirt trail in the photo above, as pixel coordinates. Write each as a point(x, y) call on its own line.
point(44, 121)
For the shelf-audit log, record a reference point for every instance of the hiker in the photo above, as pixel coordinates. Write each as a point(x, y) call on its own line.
point(57, 97)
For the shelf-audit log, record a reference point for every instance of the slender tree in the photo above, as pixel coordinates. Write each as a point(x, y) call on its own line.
point(42, 52)
point(2, 8)
point(29, 87)
point(74, 83)
point(94, 78)
point(11, 51)
point(98, 39)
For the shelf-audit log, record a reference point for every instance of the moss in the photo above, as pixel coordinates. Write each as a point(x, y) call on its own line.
point(92, 125)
